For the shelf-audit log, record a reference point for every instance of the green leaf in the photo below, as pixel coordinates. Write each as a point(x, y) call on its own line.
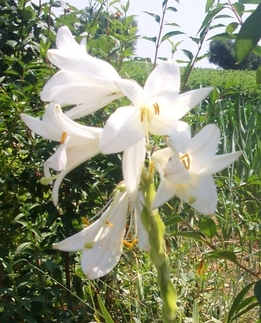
point(257, 291)
point(207, 226)
point(172, 9)
point(170, 34)
point(231, 27)
point(105, 313)
point(249, 35)
point(223, 254)
point(188, 234)
point(250, 1)
point(156, 17)
point(208, 5)
point(258, 75)
point(237, 301)
point(153, 39)
point(239, 7)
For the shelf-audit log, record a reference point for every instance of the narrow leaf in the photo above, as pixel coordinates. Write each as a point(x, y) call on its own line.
point(235, 306)
point(170, 34)
point(223, 254)
point(156, 17)
point(249, 35)
point(105, 313)
point(257, 291)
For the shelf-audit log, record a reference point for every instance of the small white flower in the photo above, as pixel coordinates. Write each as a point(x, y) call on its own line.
point(187, 173)
point(83, 80)
point(102, 242)
point(78, 143)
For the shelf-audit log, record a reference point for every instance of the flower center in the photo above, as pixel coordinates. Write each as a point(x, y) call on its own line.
point(146, 112)
point(185, 161)
point(63, 137)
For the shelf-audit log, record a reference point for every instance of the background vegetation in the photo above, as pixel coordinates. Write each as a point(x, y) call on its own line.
point(215, 262)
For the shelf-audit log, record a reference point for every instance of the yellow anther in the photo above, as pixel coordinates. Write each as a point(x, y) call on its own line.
point(151, 167)
point(130, 244)
point(156, 108)
point(89, 244)
point(85, 221)
point(109, 224)
point(63, 138)
point(142, 114)
point(186, 161)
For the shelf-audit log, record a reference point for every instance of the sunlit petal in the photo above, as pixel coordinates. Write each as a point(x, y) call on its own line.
point(165, 77)
point(188, 100)
point(122, 130)
point(132, 163)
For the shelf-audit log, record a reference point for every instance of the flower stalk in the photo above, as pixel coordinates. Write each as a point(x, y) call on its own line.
point(156, 230)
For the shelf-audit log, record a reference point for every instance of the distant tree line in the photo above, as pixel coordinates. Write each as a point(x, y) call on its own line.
point(222, 53)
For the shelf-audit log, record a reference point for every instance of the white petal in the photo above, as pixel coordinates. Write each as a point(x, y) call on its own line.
point(58, 160)
point(201, 189)
point(71, 88)
point(132, 90)
point(84, 109)
point(75, 156)
point(161, 158)
point(205, 143)
point(175, 170)
point(65, 40)
point(132, 163)
point(188, 100)
point(102, 241)
point(180, 137)
point(122, 130)
point(219, 162)
point(165, 77)
point(164, 193)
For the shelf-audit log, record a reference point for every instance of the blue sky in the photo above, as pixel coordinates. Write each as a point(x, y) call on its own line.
point(189, 16)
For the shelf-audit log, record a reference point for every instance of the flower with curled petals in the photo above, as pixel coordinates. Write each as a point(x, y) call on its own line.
point(155, 109)
point(188, 173)
point(83, 80)
point(78, 143)
point(102, 242)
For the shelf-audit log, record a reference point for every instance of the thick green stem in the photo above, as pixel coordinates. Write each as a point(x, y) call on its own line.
point(156, 230)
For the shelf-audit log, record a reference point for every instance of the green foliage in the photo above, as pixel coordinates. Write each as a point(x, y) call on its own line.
point(215, 260)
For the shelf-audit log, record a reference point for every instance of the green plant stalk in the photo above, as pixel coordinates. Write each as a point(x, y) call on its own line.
point(156, 230)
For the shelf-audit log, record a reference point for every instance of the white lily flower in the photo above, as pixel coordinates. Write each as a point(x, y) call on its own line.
point(155, 109)
point(78, 143)
point(82, 79)
point(188, 173)
point(102, 242)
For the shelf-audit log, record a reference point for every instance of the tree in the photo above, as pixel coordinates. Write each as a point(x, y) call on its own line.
point(222, 53)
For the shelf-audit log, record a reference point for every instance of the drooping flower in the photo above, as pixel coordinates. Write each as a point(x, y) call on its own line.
point(78, 143)
point(102, 242)
point(187, 173)
point(83, 80)
point(155, 109)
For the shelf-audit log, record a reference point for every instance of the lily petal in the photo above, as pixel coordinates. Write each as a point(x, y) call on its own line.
point(219, 162)
point(200, 193)
point(132, 163)
point(188, 100)
point(101, 242)
point(122, 130)
point(165, 77)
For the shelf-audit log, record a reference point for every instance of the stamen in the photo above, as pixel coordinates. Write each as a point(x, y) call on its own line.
point(89, 244)
point(142, 114)
point(156, 108)
point(130, 244)
point(85, 221)
point(186, 161)
point(63, 138)
point(109, 224)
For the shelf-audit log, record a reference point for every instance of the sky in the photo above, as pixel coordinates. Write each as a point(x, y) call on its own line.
point(189, 16)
